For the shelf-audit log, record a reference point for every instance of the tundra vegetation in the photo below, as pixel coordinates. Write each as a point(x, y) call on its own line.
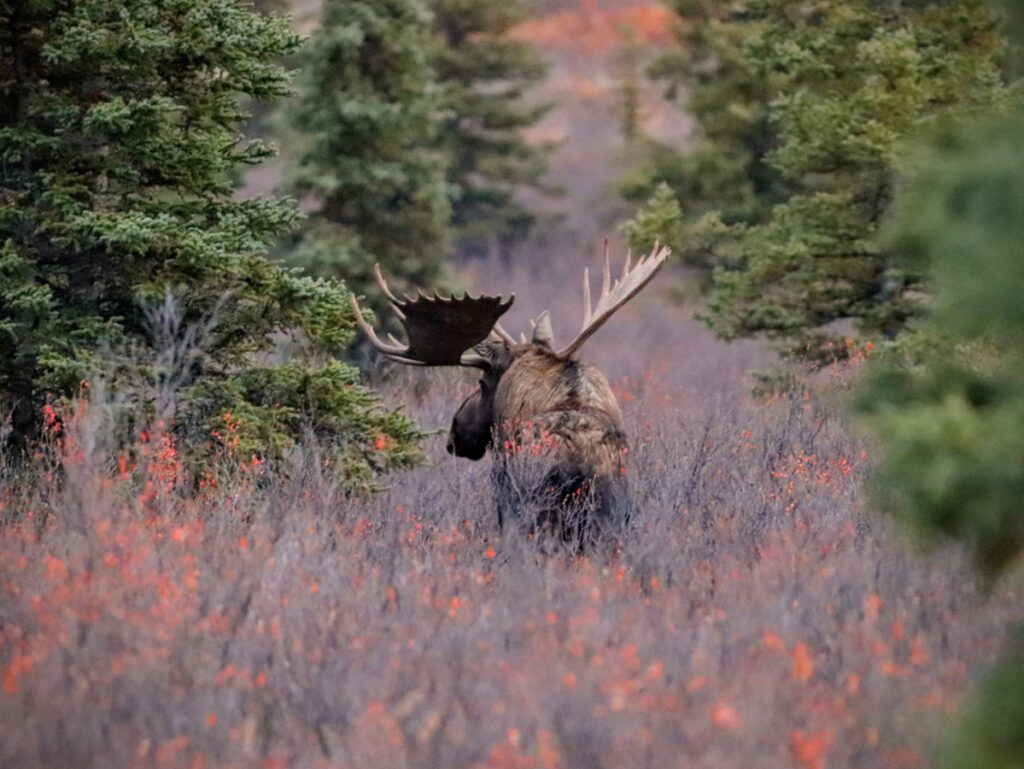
point(202, 563)
point(756, 612)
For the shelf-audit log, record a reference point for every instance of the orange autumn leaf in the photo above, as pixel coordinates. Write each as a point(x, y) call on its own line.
point(725, 716)
point(55, 568)
point(897, 632)
point(11, 677)
point(852, 684)
point(655, 670)
point(893, 670)
point(773, 641)
point(547, 750)
point(803, 662)
point(872, 607)
point(507, 756)
point(597, 31)
point(810, 749)
point(696, 684)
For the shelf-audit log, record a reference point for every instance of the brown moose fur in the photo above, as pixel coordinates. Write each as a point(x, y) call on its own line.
point(567, 410)
point(569, 401)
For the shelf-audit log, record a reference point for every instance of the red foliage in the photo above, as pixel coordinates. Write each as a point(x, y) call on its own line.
point(803, 662)
point(592, 30)
point(277, 624)
point(810, 749)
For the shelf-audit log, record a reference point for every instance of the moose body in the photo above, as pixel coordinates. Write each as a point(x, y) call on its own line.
point(555, 428)
point(551, 422)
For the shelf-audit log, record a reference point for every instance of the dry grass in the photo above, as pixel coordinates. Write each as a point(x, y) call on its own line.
point(753, 616)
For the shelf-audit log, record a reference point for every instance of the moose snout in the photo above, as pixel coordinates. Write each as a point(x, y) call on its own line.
point(450, 445)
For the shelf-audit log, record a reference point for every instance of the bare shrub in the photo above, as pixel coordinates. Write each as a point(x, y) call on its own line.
point(752, 615)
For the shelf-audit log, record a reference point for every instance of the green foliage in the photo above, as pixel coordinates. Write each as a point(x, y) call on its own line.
point(660, 220)
point(724, 171)
point(486, 77)
point(948, 401)
point(832, 91)
point(951, 410)
point(119, 135)
point(991, 735)
point(850, 82)
point(368, 113)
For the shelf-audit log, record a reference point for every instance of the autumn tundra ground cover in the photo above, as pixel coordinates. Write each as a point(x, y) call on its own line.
point(755, 614)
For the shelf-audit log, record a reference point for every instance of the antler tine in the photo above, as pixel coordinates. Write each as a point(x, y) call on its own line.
point(586, 297)
point(382, 282)
point(615, 294)
point(391, 350)
point(503, 335)
point(606, 273)
point(387, 291)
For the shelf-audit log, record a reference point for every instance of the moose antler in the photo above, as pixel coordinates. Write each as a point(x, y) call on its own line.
point(441, 330)
point(613, 296)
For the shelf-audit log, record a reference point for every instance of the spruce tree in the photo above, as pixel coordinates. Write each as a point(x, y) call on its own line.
point(629, 67)
point(486, 76)
point(368, 115)
point(119, 134)
point(724, 171)
point(840, 85)
point(948, 410)
point(851, 80)
point(950, 407)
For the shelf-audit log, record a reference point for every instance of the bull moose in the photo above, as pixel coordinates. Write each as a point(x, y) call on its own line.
point(530, 395)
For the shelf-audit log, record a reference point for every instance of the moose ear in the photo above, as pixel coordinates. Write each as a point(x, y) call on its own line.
point(542, 333)
point(492, 353)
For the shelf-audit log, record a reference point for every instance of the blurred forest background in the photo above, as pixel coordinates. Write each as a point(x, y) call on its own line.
point(230, 535)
